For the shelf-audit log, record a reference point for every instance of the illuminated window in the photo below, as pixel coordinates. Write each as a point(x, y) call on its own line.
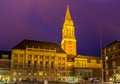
point(63, 58)
point(63, 68)
point(29, 57)
point(41, 58)
point(40, 73)
point(113, 63)
point(46, 64)
point(77, 64)
point(59, 63)
point(41, 63)
point(63, 73)
point(35, 57)
point(63, 63)
point(59, 68)
point(109, 49)
point(52, 58)
point(59, 58)
point(114, 47)
point(14, 73)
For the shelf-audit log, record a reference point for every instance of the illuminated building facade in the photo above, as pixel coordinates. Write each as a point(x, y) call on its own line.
point(111, 61)
point(86, 67)
point(37, 61)
point(5, 66)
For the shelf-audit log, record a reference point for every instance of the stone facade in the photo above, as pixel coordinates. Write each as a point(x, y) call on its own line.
point(111, 61)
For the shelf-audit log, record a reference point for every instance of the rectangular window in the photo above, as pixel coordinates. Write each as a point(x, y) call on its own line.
point(35, 57)
point(41, 58)
point(46, 64)
point(41, 63)
point(63, 74)
point(63, 58)
point(35, 63)
point(52, 58)
point(52, 64)
point(29, 63)
point(63, 68)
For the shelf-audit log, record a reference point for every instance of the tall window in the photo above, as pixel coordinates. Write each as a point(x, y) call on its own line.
point(41, 63)
point(46, 64)
point(29, 63)
point(113, 63)
point(15, 58)
point(41, 58)
point(52, 64)
point(35, 63)
point(52, 58)
point(35, 57)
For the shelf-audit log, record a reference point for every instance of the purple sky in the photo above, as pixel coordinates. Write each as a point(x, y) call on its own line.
point(42, 20)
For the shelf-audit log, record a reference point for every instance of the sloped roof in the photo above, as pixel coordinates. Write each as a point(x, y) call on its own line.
point(114, 42)
point(88, 57)
point(36, 44)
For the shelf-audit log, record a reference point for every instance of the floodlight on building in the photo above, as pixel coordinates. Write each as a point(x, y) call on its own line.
point(29, 74)
point(110, 79)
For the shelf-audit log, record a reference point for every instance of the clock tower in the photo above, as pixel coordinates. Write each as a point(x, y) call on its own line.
point(68, 43)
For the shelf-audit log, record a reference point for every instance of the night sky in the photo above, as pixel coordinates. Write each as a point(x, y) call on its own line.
point(42, 20)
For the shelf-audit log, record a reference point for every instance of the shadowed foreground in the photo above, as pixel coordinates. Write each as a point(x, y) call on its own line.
point(58, 83)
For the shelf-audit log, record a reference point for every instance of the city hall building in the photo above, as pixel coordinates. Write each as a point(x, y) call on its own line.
point(38, 61)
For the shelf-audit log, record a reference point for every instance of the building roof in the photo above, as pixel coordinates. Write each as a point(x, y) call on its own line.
point(88, 57)
point(114, 42)
point(40, 44)
point(2, 52)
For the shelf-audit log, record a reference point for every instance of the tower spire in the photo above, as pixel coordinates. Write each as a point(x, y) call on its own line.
point(68, 15)
point(68, 43)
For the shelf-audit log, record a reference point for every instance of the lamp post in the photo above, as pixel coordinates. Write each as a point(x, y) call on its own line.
point(102, 75)
point(106, 58)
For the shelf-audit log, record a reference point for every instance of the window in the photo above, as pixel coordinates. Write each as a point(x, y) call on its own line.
point(109, 49)
point(52, 64)
point(63, 58)
point(63, 68)
point(59, 68)
point(46, 64)
point(35, 63)
point(52, 58)
point(77, 64)
point(41, 63)
point(114, 47)
point(59, 58)
point(41, 58)
point(63, 63)
point(59, 63)
point(113, 63)
point(35, 56)
point(29, 63)
point(21, 58)
point(29, 57)
point(63, 74)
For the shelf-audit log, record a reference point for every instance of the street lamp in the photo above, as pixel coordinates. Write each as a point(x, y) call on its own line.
point(102, 76)
point(106, 58)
